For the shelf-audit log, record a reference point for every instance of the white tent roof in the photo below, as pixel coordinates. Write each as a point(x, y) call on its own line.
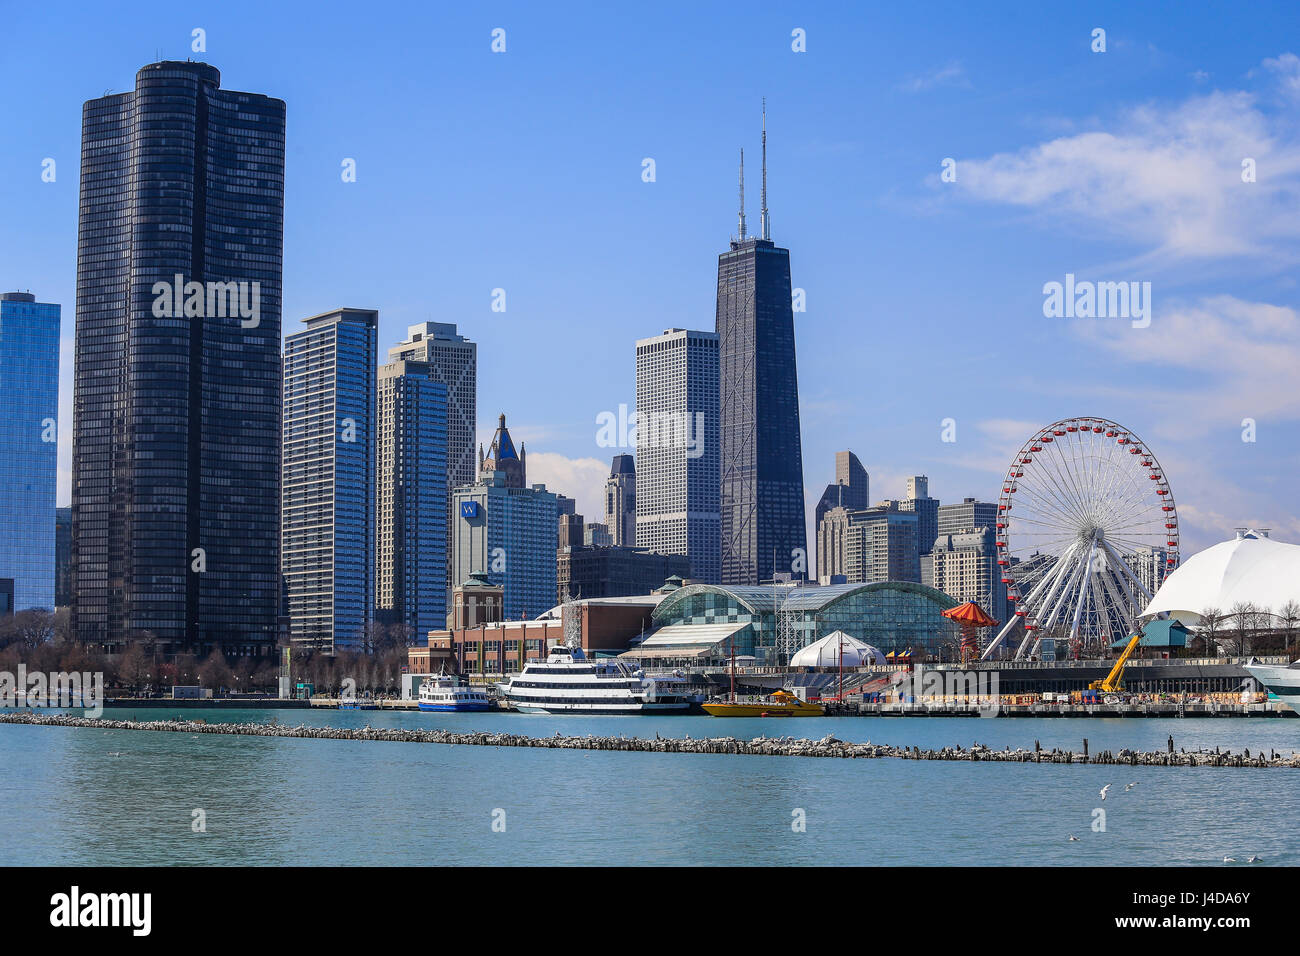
point(826, 652)
point(1249, 568)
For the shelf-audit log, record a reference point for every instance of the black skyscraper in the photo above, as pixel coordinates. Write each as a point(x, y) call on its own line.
point(762, 457)
point(176, 460)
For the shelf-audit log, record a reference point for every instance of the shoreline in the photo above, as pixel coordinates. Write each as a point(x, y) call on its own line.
point(827, 747)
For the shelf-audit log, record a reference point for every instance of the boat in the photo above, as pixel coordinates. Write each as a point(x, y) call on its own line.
point(779, 703)
point(1281, 681)
point(444, 693)
point(568, 682)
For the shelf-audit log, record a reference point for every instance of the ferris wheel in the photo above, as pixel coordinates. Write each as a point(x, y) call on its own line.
point(1087, 530)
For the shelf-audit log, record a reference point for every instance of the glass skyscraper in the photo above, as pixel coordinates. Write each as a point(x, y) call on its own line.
point(411, 501)
point(506, 532)
point(328, 520)
point(763, 526)
point(452, 360)
point(29, 404)
point(176, 458)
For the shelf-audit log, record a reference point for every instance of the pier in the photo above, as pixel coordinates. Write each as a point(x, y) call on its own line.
point(826, 747)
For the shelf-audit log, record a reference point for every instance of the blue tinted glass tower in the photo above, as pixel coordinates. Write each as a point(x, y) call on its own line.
point(29, 400)
point(328, 522)
point(411, 504)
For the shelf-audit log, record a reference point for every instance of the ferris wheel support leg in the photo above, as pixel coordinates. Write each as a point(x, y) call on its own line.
point(997, 641)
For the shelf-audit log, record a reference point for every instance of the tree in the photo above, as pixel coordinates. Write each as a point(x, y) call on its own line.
point(1211, 623)
point(132, 665)
point(215, 672)
point(1289, 615)
point(1245, 616)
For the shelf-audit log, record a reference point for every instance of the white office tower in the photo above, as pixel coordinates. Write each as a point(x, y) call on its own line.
point(677, 449)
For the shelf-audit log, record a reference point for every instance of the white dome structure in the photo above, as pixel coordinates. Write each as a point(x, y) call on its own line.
point(1252, 567)
point(826, 653)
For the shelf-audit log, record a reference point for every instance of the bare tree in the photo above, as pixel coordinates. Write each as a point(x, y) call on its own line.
point(1289, 615)
point(1245, 617)
point(1212, 621)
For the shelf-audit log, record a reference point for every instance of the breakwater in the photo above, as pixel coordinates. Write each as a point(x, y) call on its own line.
point(827, 747)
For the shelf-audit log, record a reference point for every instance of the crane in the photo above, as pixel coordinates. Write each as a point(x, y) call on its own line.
point(1114, 680)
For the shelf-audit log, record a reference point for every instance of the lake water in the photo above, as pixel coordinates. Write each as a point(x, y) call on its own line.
point(78, 796)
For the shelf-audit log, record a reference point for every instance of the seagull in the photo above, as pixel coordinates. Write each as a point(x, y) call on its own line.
point(1129, 786)
point(1104, 791)
point(1254, 859)
point(1073, 838)
point(1229, 859)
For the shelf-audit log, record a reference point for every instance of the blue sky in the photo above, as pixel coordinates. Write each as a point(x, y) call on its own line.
point(522, 171)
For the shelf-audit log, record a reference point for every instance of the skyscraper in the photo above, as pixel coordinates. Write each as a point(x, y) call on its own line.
point(927, 511)
point(870, 545)
point(964, 561)
point(761, 464)
point(29, 408)
point(851, 490)
point(410, 503)
point(620, 501)
point(964, 565)
point(176, 454)
point(328, 512)
point(452, 360)
point(506, 532)
point(677, 448)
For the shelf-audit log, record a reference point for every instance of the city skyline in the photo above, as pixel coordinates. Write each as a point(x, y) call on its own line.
point(1174, 387)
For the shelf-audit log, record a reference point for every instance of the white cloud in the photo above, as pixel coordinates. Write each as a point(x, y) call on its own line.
point(1240, 358)
point(1168, 178)
point(953, 74)
point(1287, 70)
point(582, 479)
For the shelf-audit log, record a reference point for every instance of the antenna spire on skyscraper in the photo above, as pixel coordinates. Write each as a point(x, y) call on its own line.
point(742, 194)
point(765, 225)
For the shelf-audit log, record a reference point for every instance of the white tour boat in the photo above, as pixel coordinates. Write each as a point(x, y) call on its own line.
point(445, 693)
point(568, 682)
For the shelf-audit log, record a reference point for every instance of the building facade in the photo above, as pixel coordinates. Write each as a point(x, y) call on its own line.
point(452, 360)
point(506, 532)
point(410, 503)
point(967, 515)
point(328, 508)
point(965, 566)
point(869, 545)
point(29, 409)
point(176, 455)
point(918, 500)
point(850, 491)
point(761, 499)
point(677, 448)
point(63, 557)
point(620, 501)
point(700, 624)
point(598, 572)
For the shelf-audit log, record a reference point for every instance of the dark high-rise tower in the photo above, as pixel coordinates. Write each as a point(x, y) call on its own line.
point(176, 458)
point(762, 457)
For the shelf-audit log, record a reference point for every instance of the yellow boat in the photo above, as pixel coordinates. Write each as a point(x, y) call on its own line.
point(779, 704)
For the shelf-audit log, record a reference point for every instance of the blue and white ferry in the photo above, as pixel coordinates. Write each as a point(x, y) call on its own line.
point(445, 693)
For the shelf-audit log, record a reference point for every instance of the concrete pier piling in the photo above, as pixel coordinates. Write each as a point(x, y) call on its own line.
point(828, 746)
